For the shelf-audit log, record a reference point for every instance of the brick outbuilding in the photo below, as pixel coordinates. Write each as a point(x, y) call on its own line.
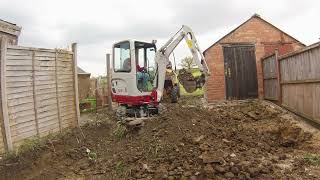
point(234, 60)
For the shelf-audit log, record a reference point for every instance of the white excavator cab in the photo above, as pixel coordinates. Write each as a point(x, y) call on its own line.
point(134, 76)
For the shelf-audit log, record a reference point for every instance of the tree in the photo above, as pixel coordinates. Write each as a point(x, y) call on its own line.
point(187, 63)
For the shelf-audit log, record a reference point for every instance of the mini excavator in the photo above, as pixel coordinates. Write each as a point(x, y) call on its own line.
point(142, 74)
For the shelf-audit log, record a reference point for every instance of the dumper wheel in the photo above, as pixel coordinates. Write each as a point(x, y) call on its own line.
point(175, 94)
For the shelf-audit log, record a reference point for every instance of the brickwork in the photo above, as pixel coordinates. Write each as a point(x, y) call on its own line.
point(264, 36)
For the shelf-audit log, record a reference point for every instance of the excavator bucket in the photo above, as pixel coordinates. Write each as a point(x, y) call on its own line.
point(189, 82)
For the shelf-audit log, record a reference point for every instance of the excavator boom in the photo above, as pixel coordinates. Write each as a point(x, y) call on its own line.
point(162, 56)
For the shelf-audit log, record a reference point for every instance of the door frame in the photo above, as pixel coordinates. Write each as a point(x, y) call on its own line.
point(226, 45)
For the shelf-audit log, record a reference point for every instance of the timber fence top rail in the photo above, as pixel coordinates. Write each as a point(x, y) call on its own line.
point(40, 49)
point(308, 48)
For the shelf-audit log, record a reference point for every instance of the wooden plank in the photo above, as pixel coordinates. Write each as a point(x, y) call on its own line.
point(64, 84)
point(45, 78)
point(21, 114)
point(22, 136)
point(66, 89)
point(301, 81)
point(49, 82)
point(45, 87)
point(68, 117)
point(63, 69)
point(66, 103)
point(22, 57)
point(46, 102)
point(52, 107)
point(15, 102)
point(49, 127)
point(45, 91)
point(45, 54)
point(48, 119)
point(46, 96)
point(66, 81)
point(20, 108)
point(46, 114)
point(18, 52)
point(19, 62)
point(20, 95)
point(67, 109)
point(45, 73)
point(18, 73)
point(18, 90)
point(44, 133)
point(21, 125)
point(20, 120)
point(19, 68)
point(19, 79)
point(44, 68)
point(4, 103)
point(46, 63)
point(14, 47)
point(19, 84)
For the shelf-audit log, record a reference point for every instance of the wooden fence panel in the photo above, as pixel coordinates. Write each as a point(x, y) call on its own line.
point(21, 103)
point(270, 81)
point(300, 82)
point(38, 86)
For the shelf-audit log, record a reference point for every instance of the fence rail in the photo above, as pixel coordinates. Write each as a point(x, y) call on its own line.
point(38, 93)
point(296, 76)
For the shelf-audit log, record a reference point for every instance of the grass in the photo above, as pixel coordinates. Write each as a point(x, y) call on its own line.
point(198, 92)
point(119, 167)
point(31, 144)
point(34, 143)
point(91, 101)
point(120, 131)
point(312, 159)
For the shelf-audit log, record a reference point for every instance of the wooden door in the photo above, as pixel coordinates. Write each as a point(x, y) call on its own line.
point(240, 72)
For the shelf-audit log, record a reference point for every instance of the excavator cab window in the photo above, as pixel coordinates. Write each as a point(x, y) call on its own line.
point(145, 65)
point(122, 58)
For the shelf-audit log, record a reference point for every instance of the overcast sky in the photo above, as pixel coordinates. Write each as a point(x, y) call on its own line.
point(96, 24)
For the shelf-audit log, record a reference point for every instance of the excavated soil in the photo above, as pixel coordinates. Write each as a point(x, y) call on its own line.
point(229, 140)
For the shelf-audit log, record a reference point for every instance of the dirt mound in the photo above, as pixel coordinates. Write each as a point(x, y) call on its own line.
point(229, 140)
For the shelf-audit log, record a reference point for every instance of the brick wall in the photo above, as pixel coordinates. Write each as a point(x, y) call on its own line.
point(255, 31)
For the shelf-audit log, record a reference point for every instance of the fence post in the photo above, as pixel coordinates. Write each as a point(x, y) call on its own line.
point(57, 89)
point(109, 81)
point(34, 93)
point(278, 76)
point(262, 66)
point(75, 78)
point(4, 103)
point(96, 93)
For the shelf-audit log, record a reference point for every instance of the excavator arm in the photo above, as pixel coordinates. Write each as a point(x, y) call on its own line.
point(162, 55)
